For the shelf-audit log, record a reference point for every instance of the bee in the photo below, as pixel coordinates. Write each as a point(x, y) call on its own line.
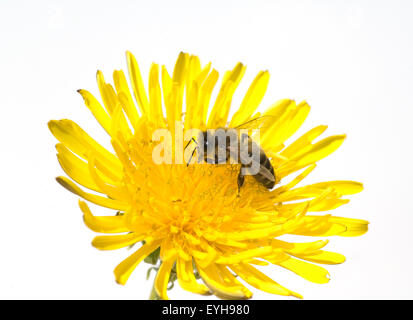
point(230, 145)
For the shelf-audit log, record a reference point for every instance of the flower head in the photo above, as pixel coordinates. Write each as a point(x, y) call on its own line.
point(205, 225)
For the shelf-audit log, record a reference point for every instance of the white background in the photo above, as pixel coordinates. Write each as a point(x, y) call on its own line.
point(351, 60)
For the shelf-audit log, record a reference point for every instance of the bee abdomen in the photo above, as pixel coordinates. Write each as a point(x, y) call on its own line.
point(260, 177)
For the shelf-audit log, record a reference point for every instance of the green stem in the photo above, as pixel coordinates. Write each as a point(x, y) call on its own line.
point(154, 295)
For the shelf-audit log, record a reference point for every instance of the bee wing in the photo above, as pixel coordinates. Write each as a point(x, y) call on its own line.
point(258, 122)
point(266, 173)
point(263, 170)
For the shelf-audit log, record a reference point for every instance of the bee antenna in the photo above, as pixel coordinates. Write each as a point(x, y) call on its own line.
point(189, 161)
point(189, 142)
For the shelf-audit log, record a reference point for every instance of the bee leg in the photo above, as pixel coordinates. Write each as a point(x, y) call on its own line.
point(240, 181)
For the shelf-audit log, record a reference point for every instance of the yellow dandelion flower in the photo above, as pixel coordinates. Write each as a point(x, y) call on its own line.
point(207, 233)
